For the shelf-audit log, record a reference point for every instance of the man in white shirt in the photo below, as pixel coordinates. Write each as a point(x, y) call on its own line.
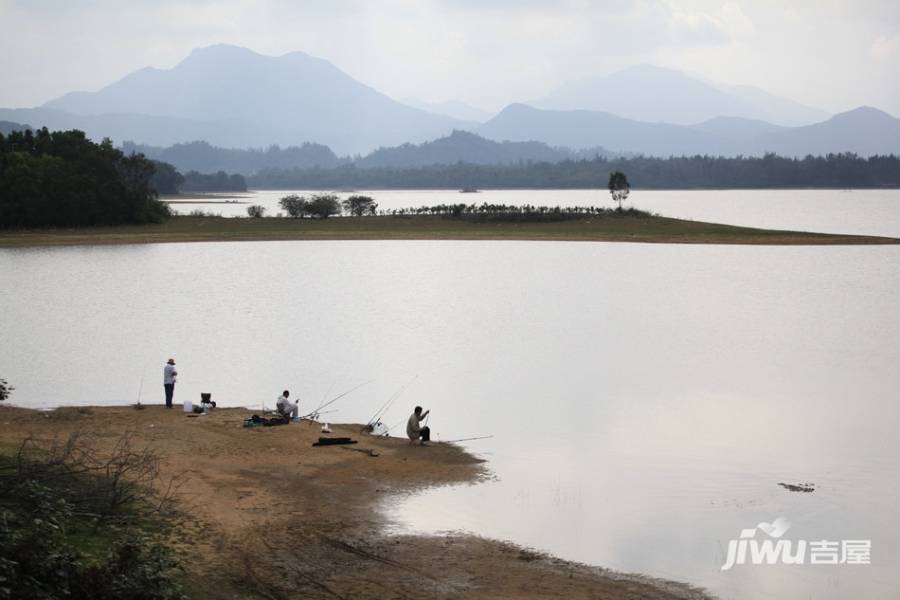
point(169, 375)
point(414, 430)
point(286, 408)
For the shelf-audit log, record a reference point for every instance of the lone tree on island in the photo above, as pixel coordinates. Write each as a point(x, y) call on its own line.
point(619, 188)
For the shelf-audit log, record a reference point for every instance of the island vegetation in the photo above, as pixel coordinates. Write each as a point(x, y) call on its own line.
point(167, 180)
point(63, 179)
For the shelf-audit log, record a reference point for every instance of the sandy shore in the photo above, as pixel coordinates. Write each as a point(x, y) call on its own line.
point(269, 516)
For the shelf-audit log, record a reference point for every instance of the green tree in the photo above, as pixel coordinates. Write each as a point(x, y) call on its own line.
point(63, 179)
point(322, 206)
point(360, 205)
point(166, 179)
point(618, 187)
point(294, 205)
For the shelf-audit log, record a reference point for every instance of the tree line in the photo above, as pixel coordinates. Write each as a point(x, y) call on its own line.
point(323, 206)
point(846, 170)
point(167, 180)
point(63, 179)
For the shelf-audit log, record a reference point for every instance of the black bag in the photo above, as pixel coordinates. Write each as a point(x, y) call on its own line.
point(323, 441)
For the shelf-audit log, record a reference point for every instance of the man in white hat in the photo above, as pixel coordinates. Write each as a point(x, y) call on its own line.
point(169, 375)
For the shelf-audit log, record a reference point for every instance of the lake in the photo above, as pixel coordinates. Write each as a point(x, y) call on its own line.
point(644, 400)
point(866, 212)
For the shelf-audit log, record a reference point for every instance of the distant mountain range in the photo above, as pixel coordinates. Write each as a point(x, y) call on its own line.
point(6, 127)
point(231, 97)
point(865, 131)
point(466, 147)
point(206, 158)
point(458, 147)
point(656, 94)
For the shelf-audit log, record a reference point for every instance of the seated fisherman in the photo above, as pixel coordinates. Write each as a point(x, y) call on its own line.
point(415, 431)
point(286, 408)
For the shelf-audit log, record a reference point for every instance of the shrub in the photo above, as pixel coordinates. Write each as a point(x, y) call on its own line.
point(323, 206)
point(79, 524)
point(256, 211)
point(294, 205)
point(358, 206)
point(197, 212)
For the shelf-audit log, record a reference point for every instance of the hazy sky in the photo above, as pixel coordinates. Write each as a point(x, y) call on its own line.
point(832, 54)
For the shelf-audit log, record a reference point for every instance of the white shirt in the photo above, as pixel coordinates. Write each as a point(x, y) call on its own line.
point(169, 374)
point(412, 426)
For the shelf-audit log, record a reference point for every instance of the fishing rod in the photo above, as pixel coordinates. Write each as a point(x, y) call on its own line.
point(336, 398)
point(394, 425)
point(383, 410)
point(325, 395)
point(483, 437)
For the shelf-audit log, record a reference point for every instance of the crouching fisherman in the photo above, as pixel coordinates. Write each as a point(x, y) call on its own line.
point(413, 428)
point(286, 408)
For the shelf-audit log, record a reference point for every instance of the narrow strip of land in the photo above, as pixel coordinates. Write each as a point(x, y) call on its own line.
point(590, 228)
point(207, 198)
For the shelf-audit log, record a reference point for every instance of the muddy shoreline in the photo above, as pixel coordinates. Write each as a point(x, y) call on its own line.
point(266, 515)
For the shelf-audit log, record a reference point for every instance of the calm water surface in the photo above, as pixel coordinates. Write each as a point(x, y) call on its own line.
point(869, 212)
point(645, 400)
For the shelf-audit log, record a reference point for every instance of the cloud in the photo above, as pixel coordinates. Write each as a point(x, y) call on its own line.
point(736, 21)
point(726, 25)
point(697, 28)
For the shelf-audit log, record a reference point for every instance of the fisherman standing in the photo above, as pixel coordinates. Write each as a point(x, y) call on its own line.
point(169, 375)
point(286, 408)
point(413, 428)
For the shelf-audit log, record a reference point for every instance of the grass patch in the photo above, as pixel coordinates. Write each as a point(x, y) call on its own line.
point(609, 228)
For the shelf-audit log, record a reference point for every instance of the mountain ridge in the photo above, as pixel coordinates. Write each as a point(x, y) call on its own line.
point(636, 90)
point(234, 97)
point(865, 131)
point(305, 98)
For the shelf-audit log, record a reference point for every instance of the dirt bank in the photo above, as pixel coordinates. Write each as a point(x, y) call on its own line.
point(269, 516)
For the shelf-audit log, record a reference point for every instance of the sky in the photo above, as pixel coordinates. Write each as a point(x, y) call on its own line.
point(830, 54)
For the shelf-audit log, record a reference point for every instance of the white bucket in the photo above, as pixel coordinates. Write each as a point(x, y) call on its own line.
point(188, 406)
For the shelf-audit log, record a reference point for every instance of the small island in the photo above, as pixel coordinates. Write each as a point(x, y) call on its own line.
point(649, 229)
